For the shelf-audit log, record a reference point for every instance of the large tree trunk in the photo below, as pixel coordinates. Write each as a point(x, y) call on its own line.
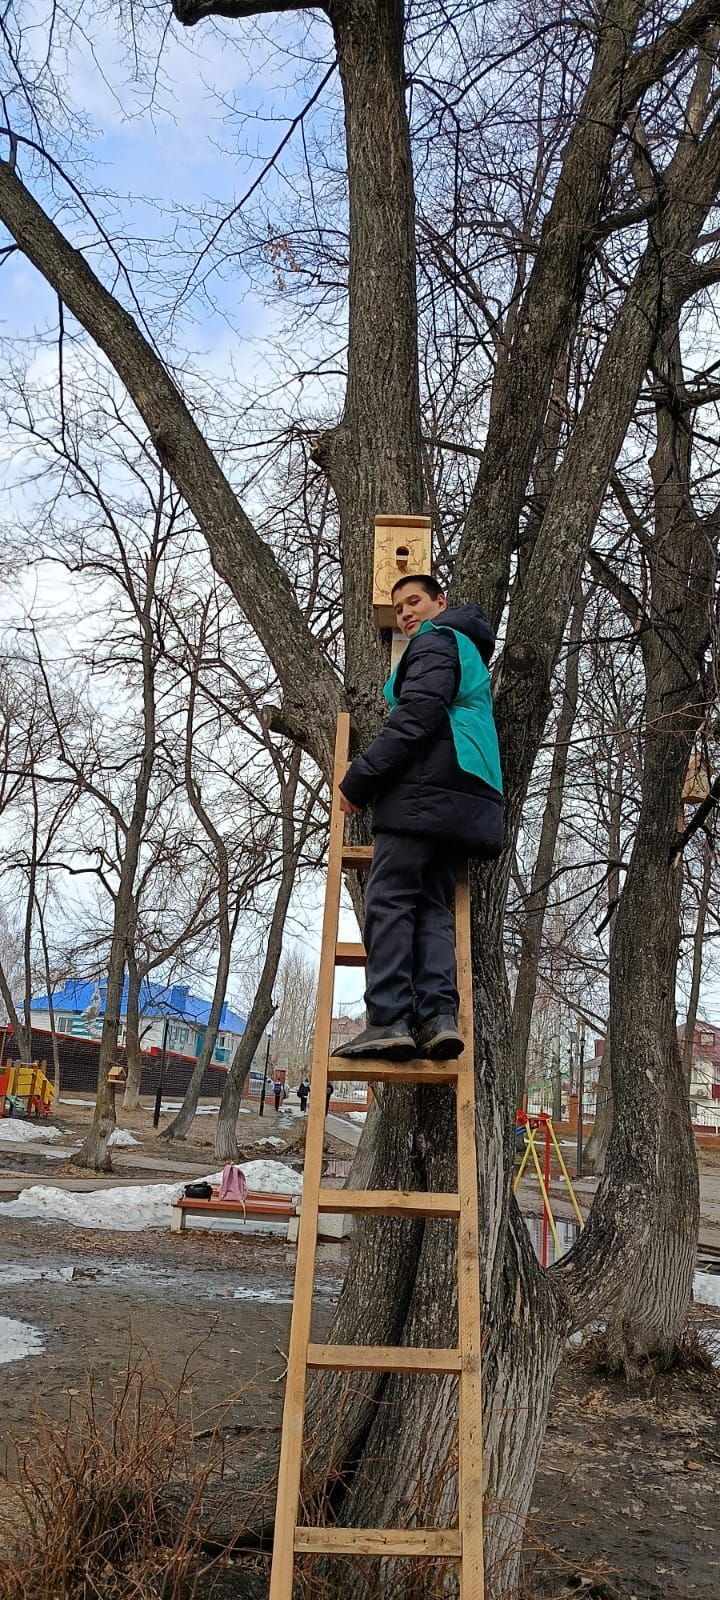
point(650, 1313)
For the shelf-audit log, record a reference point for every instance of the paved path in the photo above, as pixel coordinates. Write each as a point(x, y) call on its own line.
point(163, 1171)
point(341, 1128)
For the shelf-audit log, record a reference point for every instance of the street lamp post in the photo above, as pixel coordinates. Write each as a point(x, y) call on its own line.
point(265, 1077)
point(158, 1096)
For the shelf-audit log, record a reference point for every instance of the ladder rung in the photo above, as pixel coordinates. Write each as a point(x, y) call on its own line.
point(382, 1358)
point(349, 955)
point(380, 1541)
point(357, 855)
point(374, 1070)
point(388, 1202)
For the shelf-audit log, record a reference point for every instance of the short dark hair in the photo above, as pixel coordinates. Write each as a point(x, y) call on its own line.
point(426, 582)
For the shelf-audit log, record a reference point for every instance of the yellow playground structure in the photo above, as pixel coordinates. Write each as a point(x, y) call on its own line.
point(25, 1091)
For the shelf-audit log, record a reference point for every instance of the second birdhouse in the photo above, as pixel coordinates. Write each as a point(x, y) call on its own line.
point(402, 547)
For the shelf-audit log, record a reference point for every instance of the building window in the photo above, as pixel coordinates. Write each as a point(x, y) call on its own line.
point(178, 1035)
point(707, 1039)
point(63, 1024)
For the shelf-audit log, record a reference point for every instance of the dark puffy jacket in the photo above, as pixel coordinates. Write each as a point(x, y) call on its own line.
point(411, 771)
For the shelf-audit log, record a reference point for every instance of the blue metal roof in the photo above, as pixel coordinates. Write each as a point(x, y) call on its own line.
point(156, 1000)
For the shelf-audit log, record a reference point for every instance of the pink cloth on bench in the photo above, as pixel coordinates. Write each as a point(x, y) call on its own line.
point(233, 1184)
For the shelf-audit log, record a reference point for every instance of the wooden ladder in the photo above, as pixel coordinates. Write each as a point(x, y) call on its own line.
point(464, 1543)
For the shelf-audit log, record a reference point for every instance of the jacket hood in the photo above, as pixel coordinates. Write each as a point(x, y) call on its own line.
point(472, 621)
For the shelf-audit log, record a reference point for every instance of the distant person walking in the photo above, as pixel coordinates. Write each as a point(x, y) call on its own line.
point(277, 1092)
point(303, 1092)
point(328, 1097)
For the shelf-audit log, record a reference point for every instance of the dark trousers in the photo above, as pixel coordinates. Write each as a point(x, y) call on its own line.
point(410, 928)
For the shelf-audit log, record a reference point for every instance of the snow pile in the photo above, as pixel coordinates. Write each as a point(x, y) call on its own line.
point(13, 1131)
point(273, 1144)
point(19, 1339)
point(122, 1138)
point(271, 1177)
point(127, 1210)
point(137, 1206)
point(356, 1116)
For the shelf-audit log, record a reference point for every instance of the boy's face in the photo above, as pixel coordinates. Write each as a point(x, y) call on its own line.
point(414, 605)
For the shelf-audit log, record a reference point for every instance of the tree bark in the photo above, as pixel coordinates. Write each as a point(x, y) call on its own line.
point(133, 1056)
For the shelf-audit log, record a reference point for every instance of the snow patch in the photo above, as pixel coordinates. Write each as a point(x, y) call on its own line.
point(356, 1116)
point(137, 1206)
point(273, 1144)
point(18, 1340)
point(14, 1273)
point(13, 1131)
point(122, 1138)
point(706, 1288)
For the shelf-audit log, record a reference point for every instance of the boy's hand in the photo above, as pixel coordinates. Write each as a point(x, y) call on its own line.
point(347, 806)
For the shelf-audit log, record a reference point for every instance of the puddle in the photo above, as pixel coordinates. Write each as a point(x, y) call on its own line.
point(18, 1340)
point(567, 1234)
point(157, 1282)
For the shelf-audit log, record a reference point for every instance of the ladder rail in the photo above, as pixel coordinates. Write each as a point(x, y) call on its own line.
point(470, 1441)
point(291, 1446)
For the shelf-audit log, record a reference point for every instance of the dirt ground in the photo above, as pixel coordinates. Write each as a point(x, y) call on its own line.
point(626, 1498)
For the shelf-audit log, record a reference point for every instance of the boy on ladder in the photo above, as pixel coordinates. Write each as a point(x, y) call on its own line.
point(433, 774)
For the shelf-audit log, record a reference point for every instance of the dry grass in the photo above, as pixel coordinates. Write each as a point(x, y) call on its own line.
point(80, 1502)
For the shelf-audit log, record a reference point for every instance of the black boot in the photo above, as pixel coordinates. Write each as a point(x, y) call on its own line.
point(439, 1040)
point(394, 1041)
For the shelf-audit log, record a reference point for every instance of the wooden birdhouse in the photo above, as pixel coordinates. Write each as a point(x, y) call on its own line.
point(402, 547)
point(117, 1074)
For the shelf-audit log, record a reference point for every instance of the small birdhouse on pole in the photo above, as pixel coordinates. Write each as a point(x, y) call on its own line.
point(402, 547)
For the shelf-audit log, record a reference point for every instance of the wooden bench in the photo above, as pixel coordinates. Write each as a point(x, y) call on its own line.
point(256, 1205)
